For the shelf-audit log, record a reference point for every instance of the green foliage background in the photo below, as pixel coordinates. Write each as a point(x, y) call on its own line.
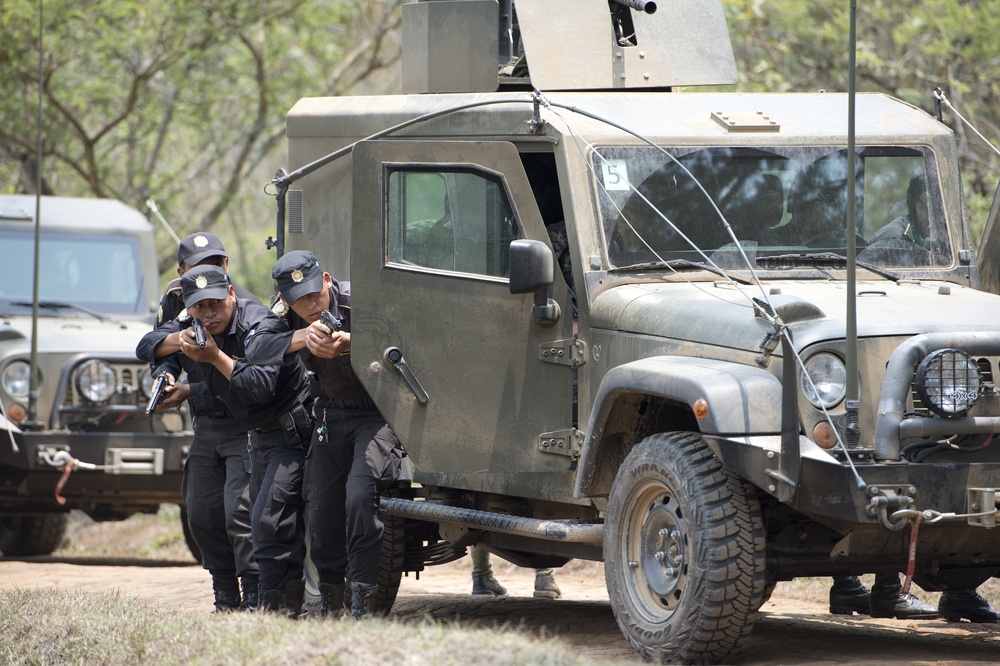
point(183, 101)
point(179, 101)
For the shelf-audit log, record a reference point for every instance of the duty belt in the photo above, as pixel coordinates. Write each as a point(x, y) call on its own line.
point(296, 424)
point(363, 403)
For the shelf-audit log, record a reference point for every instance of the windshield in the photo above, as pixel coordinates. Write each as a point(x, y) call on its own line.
point(658, 207)
point(101, 273)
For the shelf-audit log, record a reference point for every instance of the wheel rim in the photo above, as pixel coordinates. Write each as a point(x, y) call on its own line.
point(655, 551)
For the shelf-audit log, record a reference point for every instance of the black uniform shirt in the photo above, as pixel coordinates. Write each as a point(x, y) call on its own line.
point(268, 343)
point(255, 395)
point(171, 307)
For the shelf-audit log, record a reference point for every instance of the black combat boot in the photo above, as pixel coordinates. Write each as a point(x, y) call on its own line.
point(250, 584)
point(888, 600)
point(362, 600)
point(295, 594)
point(270, 601)
point(968, 604)
point(485, 584)
point(227, 593)
point(849, 596)
point(331, 600)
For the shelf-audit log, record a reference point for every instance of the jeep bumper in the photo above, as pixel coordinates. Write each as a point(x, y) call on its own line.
point(135, 472)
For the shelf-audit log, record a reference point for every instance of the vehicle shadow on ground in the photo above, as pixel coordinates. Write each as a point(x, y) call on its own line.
point(102, 561)
point(589, 625)
point(798, 637)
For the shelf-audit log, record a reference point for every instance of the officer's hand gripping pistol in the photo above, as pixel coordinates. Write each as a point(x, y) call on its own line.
point(156, 395)
point(330, 321)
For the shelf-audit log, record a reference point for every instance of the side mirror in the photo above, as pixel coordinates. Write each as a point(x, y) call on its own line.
point(531, 270)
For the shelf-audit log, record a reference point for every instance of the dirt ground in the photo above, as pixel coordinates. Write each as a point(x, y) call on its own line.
point(794, 627)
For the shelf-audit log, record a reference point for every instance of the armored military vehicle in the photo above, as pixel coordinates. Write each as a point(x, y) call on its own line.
point(86, 442)
point(614, 320)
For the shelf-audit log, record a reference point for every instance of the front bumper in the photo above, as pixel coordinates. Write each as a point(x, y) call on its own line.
point(135, 471)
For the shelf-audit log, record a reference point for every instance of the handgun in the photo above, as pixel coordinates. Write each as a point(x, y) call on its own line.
point(330, 321)
point(159, 385)
point(199, 334)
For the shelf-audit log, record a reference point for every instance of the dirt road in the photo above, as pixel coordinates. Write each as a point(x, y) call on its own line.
point(790, 631)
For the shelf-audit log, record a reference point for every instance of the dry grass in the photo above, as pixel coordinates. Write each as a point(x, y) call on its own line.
point(44, 627)
point(47, 628)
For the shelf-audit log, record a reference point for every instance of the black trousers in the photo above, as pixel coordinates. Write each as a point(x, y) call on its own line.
point(276, 518)
point(215, 487)
point(357, 456)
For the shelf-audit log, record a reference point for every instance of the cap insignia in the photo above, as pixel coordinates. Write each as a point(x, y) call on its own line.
point(201, 282)
point(297, 276)
point(200, 241)
point(279, 308)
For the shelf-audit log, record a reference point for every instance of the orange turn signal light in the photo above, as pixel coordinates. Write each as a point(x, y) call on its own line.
point(700, 408)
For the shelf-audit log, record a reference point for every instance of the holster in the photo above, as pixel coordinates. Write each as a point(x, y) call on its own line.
point(297, 423)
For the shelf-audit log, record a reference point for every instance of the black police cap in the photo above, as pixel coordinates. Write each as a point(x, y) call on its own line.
point(297, 274)
point(198, 247)
point(203, 283)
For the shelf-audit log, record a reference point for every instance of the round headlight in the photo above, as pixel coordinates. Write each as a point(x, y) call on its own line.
point(949, 382)
point(17, 379)
point(829, 380)
point(96, 381)
point(146, 382)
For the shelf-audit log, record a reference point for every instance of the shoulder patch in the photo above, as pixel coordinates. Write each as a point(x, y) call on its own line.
point(159, 315)
point(279, 308)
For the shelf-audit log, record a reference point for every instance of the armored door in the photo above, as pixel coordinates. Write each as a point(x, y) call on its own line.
point(465, 376)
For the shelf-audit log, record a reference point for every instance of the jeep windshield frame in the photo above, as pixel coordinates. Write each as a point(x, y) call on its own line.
point(662, 205)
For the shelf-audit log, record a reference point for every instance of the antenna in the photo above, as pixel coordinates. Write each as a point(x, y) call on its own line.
point(852, 399)
point(33, 371)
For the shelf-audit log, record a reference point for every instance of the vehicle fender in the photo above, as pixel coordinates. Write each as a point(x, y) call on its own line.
point(741, 400)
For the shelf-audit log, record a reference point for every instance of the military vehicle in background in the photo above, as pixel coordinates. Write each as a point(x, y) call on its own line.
point(98, 283)
point(612, 320)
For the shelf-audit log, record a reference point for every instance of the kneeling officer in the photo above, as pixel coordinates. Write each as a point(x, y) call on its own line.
point(273, 403)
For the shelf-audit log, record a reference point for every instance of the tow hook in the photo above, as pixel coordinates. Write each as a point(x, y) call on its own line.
point(882, 503)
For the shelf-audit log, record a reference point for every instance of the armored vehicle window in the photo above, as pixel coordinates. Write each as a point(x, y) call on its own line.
point(457, 220)
point(661, 205)
point(102, 273)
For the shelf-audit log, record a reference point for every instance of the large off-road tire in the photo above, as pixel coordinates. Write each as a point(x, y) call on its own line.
point(390, 572)
point(38, 534)
point(684, 551)
point(188, 537)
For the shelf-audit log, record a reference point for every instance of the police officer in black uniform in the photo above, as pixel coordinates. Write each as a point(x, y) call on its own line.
point(271, 402)
point(354, 453)
point(216, 479)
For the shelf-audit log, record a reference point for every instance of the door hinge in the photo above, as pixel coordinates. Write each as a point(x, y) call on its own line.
point(571, 352)
point(561, 442)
